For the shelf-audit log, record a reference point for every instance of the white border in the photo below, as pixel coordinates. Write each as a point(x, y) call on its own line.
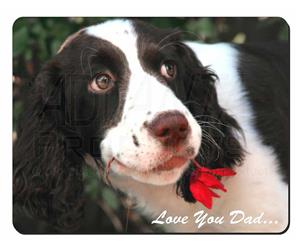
point(10, 239)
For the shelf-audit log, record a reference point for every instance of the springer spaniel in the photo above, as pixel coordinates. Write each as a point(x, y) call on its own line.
point(141, 106)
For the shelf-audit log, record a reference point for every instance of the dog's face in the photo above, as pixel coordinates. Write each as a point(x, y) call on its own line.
point(136, 78)
point(155, 135)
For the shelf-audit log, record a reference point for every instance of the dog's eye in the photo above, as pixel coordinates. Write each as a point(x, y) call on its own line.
point(168, 69)
point(101, 82)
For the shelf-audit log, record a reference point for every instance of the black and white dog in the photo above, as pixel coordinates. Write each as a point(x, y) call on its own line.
point(144, 103)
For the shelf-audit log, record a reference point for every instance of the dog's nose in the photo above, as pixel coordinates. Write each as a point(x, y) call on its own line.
point(170, 128)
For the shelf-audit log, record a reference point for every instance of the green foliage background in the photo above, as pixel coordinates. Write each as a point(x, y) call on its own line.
point(35, 40)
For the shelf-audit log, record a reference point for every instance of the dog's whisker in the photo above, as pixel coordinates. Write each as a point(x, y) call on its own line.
point(206, 116)
point(213, 142)
point(169, 35)
point(213, 127)
point(211, 123)
point(170, 44)
point(211, 139)
point(202, 150)
point(198, 37)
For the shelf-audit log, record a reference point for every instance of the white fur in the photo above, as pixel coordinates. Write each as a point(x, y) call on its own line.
point(256, 188)
point(258, 185)
point(145, 99)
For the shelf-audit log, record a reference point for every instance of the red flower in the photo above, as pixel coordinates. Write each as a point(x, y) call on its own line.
point(203, 180)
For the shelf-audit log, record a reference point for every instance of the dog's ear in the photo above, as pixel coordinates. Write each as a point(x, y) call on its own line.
point(221, 134)
point(47, 177)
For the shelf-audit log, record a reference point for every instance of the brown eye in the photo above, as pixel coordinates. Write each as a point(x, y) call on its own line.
point(102, 82)
point(168, 69)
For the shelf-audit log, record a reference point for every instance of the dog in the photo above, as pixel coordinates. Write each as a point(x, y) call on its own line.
point(141, 106)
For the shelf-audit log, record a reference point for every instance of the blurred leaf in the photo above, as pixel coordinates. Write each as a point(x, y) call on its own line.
point(43, 54)
point(38, 30)
point(17, 110)
point(203, 27)
point(20, 40)
point(28, 54)
point(166, 23)
point(111, 198)
point(55, 46)
point(92, 185)
point(284, 32)
point(239, 38)
point(77, 20)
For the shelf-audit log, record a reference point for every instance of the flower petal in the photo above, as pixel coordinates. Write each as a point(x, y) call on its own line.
point(211, 181)
point(202, 193)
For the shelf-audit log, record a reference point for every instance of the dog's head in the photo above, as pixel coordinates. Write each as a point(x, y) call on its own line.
point(153, 134)
point(131, 93)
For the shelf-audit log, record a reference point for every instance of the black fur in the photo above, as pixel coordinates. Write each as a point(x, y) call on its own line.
point(220, 146)
point(62, 123)
point(47, 171)
point(264, 71)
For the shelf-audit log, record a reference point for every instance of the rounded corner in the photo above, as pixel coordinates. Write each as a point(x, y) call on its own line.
point(16, 20)
point(285, 229)
point(17, 229)
point(283, 20)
